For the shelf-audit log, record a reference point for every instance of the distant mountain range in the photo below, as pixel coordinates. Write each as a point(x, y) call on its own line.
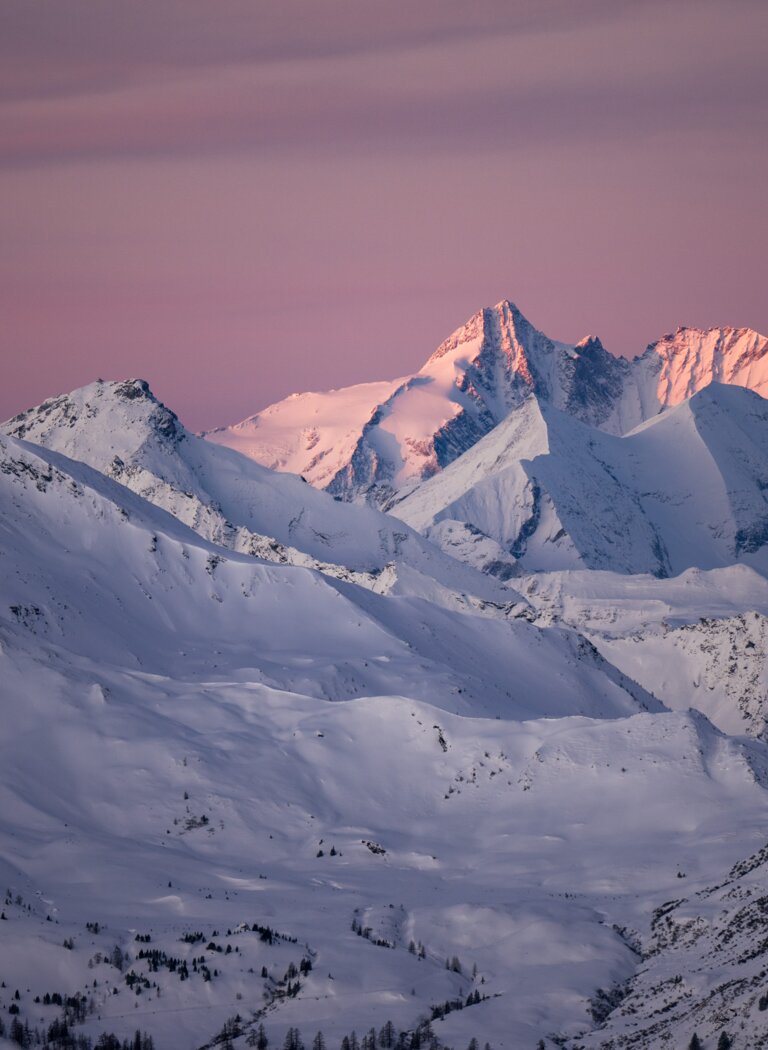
point(375, 439)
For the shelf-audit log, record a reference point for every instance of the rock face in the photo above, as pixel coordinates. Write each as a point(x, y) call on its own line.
point(373, 440)
point(702, 971)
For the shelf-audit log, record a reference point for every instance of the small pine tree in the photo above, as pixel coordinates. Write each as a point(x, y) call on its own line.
point(318, 1043)
point(724, 1042)
point(695, 1043)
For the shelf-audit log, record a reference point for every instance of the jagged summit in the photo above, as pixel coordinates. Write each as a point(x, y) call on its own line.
point(375, 440)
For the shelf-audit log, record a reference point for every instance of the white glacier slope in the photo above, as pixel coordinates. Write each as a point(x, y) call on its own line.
point(686, 489)
point(469, 384)
point(373, 439)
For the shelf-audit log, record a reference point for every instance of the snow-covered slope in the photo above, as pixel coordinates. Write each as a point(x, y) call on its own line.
point(680, 364)
point(698, 640)
point(122, 430)
point(545, 489)
point(168, 768)
point(273, 759)
point(99, 571)
point(685, 489)
point(311, 434)
point(374, 439)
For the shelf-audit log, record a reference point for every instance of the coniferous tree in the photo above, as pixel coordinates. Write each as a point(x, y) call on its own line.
point(724, 1042)
point(695, 1043)
point(17, 1032)
point(293, 1040)
point(387, 1035)
point(318, 1043)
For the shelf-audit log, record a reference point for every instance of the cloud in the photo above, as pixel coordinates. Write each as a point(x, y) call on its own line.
point(49, 48)
point(505, 81)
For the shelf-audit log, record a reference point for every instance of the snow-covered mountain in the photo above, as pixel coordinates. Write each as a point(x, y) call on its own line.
point(687, 488)
point(64, 531)
point(174, 782)
point(484, 767)
point(698, 640)
point(372, 440)
point(123, 431)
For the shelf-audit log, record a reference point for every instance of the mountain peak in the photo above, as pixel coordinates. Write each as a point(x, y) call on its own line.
point(505, 307)
point(127, 409)
point(590, 344)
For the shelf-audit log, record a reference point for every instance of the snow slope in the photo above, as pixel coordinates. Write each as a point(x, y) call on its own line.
point(122, 430)
point(374, 439)
point(169, 764)
point(685, 489)
point(270, 758)
point(697, 640)
point(471, 382)
point(69, 530)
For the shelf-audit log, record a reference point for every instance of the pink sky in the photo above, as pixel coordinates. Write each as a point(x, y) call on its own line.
point(237, 200)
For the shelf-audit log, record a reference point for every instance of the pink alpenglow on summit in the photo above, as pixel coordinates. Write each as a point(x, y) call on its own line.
point(375, 439)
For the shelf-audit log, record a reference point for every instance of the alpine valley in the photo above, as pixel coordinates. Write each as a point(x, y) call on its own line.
point(409, 714)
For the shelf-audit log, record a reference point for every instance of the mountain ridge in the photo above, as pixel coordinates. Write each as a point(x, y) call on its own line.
point(469, 384)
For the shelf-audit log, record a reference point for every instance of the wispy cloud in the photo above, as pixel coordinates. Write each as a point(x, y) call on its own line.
point(106, 81)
